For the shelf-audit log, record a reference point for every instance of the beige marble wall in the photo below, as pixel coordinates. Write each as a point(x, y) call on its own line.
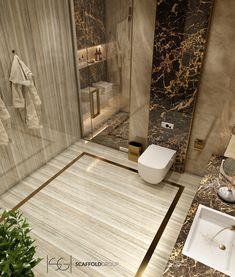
point(144, 13)
point(40, 33)
point(215, 114)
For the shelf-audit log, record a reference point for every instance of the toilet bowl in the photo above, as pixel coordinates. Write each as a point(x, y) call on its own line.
point(155, 162)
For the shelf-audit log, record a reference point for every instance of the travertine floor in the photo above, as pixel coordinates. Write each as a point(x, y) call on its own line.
point(96, 211)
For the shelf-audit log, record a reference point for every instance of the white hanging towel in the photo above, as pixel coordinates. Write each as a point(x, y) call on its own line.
point(4, 115)
point(24, 92)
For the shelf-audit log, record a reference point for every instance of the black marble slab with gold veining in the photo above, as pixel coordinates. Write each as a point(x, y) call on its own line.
point(179, 46)
point(90, 22)
point(180, 265)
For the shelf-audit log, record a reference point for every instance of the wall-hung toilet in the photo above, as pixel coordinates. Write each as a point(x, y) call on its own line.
point(155, 162)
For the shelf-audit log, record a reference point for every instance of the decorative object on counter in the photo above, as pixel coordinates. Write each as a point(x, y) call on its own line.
point(4, 117)
point(17, 247)
point(227, 170)
point(134, 150)
point(24, 92)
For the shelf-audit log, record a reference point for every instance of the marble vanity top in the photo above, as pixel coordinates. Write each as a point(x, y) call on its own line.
point(180, 265)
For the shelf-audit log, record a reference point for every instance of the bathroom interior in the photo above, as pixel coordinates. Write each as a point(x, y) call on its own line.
point(117, 136)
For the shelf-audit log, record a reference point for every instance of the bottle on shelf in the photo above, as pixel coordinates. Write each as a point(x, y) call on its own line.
point(96, 55)
point(100, 55)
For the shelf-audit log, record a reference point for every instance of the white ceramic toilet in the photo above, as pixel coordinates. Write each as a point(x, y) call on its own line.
point(155, 162)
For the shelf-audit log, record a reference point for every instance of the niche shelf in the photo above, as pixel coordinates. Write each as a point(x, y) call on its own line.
point(86, 64)
point(88, 54)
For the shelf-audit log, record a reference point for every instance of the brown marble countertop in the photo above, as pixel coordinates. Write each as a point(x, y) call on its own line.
point(180, 265)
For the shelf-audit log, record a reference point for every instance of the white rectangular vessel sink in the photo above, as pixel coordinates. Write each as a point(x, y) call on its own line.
point(202, 245)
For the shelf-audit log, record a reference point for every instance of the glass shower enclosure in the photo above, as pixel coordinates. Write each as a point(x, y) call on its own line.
point(104, 43)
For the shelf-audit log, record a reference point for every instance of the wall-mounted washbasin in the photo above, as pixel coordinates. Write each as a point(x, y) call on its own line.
point(211, 240)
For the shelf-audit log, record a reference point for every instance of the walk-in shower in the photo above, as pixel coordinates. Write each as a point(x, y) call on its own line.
point(104, 40)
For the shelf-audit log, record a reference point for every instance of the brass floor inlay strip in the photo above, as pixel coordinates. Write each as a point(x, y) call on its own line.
point(162, 227)
point(160, 231)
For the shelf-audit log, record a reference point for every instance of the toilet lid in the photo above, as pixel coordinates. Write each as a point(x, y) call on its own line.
point(156, 156)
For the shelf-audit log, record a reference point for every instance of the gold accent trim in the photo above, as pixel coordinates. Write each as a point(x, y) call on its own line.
point(160, 230)
point(97, 92)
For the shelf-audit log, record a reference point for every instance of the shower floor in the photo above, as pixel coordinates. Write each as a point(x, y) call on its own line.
point(93, 207)
point(114, 132)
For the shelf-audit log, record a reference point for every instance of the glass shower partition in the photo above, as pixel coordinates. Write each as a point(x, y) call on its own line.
point(104, 42)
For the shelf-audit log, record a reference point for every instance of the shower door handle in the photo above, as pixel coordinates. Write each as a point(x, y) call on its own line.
point(93, 93)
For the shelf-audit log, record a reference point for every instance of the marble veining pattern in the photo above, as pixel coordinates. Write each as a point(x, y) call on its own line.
point(179, 46)
point(179, 264)
point(90, 22)
point(214, 114)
